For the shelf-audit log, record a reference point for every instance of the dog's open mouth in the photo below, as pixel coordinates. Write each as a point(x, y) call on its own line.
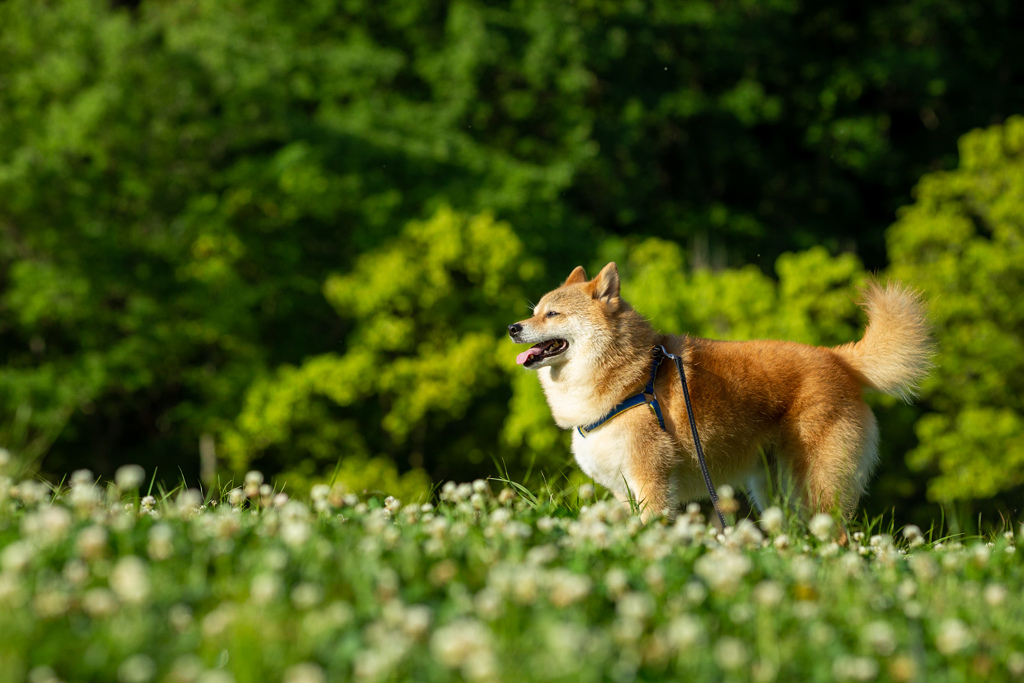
point(538, 352)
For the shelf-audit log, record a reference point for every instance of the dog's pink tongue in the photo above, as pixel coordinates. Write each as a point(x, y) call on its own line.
point(532, 351)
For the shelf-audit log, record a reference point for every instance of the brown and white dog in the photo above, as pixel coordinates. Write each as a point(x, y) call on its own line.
point(800, 404)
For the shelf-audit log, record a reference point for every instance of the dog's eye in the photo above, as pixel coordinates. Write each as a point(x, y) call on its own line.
point(552, 314)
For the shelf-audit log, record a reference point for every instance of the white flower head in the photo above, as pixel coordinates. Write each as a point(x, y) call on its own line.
point(305, 672)
point(730, 653)
point(129, 477)
point(130, 580)
point(772, 520)
point(821, 526)
point(136, 669)
point(953, 636)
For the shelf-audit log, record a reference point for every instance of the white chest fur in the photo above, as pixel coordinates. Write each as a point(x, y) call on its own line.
point(604, 456)
point(572, 398)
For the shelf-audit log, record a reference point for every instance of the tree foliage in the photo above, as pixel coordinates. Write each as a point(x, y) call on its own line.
point(962, 242)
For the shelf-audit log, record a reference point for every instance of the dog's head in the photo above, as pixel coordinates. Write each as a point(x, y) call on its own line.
point(569, 321)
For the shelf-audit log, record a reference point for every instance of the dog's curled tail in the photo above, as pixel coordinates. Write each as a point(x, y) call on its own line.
point(896, 351)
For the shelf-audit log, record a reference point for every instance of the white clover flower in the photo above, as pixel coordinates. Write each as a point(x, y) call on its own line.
point(92, 542)
point(305, 672)
point(179, 617)
point(16, 556)
point(1015, 663)
point(768, 593)
point(772, 520)
point(147, 503)
point(481, 486)
point(85, 498)
point(616, 581)
point(730, 653)
point(99, 603)
point(695, 593)
point(463, 491)
point(307, 595)
point(635, 606)
point(82, 477)
point(654, 575)
point(488, 604)
point(455, 643)
point(542, 554)
point(782, 541)
point(723, 569)
point(804, 569)
point(51, 603)
point(953, 636)
point(995, 594)
point(746, 534)
point(847, 668)
point(906, 590)
point(253, 478)
point(923, 566)
point(129, 477)
point(136, 669)
point(821, 526)
point(218, 620)
point(416, 621)
point(851, 564)
point(47, 525)
point(31, 492)
point(295, 532)
point(76, 572)
point(880, 636)
point(161, 542)
point(586, 491)
point(727, 499)
point(506, 496)
point(188, 502)
point(913, 534)
point(280, 500)
point(130, 580)
point(684, 633)
point(264, 588)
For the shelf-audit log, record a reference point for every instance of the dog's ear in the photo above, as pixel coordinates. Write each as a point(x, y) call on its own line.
point(577, 276)
point(606, 285)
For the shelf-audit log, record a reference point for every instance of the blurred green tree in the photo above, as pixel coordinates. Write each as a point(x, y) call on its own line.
point(962, 242)
point(423, 379)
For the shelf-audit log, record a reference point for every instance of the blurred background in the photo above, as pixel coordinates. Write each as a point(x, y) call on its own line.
point(289, 236)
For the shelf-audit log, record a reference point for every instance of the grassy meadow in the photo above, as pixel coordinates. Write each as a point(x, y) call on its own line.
point(112, 581)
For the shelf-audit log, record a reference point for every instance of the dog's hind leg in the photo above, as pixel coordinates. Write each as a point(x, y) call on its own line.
point(831, 458)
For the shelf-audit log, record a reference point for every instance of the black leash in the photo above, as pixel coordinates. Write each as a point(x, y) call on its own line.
point(693, 429)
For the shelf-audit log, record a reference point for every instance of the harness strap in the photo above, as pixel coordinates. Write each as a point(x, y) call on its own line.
point(660, 350)
point(647, 396)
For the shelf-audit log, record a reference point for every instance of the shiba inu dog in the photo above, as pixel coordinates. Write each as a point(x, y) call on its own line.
point(802, 405)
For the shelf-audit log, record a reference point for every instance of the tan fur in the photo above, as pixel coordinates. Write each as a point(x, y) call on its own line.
point(801, 403)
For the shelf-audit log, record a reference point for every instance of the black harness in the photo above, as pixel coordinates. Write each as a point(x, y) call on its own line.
point(649, 398)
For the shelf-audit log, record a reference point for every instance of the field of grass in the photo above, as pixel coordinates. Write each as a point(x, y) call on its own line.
point(103, 582)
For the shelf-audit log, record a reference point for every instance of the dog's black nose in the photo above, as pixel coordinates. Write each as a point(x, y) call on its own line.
point(514, 329)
